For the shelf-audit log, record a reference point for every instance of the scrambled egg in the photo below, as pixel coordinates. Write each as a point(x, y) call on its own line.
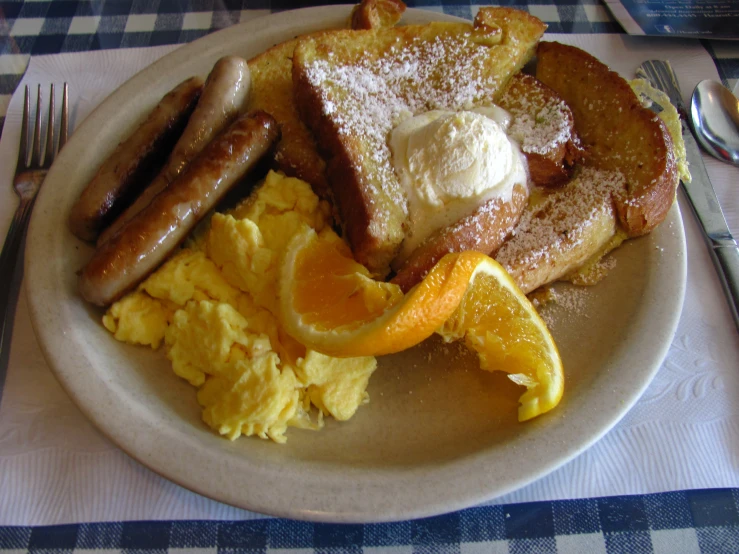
point(214, 305)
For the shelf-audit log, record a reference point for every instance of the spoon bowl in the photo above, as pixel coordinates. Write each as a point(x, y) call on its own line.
point(714, 112)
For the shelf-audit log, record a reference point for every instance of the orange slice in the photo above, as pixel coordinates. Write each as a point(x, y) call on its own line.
point(496, 320)
point(329, 303)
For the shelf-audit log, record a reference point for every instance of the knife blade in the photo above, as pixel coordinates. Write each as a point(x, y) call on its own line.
point(699, 190)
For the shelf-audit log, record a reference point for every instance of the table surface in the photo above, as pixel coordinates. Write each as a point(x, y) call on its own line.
point(687, 521)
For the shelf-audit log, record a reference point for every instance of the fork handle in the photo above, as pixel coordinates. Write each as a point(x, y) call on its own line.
point(8, 264)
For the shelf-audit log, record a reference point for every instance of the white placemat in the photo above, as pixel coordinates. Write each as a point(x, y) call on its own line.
point(55, 467)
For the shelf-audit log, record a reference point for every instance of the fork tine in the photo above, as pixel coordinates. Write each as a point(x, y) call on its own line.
point(23, 151)
point(64, 124)
point(36, 148)
point(49, 152)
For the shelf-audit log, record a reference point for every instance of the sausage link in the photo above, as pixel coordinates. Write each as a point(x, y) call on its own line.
point(118, 179)
point(130, 256)
point(224, 95)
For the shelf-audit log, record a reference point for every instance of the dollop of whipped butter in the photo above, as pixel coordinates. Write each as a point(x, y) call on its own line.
point(450, 163)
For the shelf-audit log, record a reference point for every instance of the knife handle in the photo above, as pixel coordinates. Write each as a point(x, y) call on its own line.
point(726, 259)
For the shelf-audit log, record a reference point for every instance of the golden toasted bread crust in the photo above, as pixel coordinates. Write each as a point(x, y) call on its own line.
point(618, 133)
point(543, 125)
point(375, 14)
point(272, 91)
point(351, 87)
point(483, 231)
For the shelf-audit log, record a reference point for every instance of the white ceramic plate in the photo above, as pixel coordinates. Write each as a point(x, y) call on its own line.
point(438, 435)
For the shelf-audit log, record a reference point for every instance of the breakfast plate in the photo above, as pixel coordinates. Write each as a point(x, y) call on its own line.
point(438, 434)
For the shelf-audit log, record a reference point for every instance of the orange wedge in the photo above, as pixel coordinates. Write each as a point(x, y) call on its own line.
point(496, 320)
point(330, 304)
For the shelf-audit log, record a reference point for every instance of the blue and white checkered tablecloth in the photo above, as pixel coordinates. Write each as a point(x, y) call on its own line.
point(668, 523)
point(682, 521)
point(51, 27)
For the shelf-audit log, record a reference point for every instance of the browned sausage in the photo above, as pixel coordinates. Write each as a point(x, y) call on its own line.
point(145, 241)
point(224, 95)
point(118, 180)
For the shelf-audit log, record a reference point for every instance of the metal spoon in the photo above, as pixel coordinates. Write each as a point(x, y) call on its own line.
point(714, 112)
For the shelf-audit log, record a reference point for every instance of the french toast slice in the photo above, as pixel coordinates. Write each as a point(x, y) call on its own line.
point(623, 189)
point(563, 228)
point(543, 125)
point(352, 88)
point(296, 153)
point(618, 133)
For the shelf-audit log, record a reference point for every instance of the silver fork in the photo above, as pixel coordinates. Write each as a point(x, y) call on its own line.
point(28, 178)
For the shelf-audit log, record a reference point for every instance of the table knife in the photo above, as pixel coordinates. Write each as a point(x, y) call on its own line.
point(699, 190)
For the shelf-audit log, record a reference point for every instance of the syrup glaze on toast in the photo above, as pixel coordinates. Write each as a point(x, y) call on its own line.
point(352, 87)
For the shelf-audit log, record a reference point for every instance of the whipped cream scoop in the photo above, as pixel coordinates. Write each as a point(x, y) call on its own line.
point(449, 163)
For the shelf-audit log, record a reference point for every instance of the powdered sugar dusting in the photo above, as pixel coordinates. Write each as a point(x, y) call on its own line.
point(573, 302)
point(410, 78)
point(542, 131)
point(561, 220)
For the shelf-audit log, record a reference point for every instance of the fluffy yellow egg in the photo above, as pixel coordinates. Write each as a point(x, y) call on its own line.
point(138, 319)
point(337, 386)
point(207, 338)
point(257, 397)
